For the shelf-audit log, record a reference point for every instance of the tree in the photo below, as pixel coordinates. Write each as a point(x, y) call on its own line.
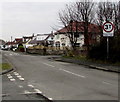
point(67, 18)
point(75, 13)
point(85, 13)
point(108, 11)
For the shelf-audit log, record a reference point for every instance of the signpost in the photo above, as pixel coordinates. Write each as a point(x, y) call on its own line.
point(108, 31)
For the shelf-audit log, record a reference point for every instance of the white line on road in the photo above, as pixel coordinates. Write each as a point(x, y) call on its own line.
point(72, 73)
point(10, 54)
point(50, 98)
point(15, 73)
point(31, 86)
point(48, 65)
point(8, 75)
point(22, 79)
point(106, 83)
point(12, 79)
point(38, 91)
point(26, 92)
point(19, 76)
point(20, 86)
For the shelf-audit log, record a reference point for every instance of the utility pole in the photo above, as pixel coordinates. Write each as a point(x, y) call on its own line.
point(11, 42)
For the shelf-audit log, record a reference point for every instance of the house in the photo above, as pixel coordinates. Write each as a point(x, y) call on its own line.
point(9, 44)
point(62, 40)
point(26, 40)
point(17, 41)
point(42, 39)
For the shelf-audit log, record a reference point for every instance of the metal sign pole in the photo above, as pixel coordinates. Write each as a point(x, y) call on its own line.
point(107, 47)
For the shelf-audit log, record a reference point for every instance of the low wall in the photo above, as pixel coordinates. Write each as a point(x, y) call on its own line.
point(45, 52)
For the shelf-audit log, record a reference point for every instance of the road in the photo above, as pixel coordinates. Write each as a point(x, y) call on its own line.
point(58, 80)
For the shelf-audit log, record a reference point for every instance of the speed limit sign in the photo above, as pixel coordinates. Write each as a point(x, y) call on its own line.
point(108, 29)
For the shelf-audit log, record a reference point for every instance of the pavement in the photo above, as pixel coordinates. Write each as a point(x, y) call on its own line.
point(89, 64)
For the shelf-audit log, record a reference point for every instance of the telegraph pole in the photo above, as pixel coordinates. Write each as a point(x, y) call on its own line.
point(11, 42)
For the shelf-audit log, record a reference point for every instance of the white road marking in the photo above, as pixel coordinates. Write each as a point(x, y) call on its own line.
point(22, 79)
point(31, 86)
point(50, 98)
point(16, 74)
point(12, 79)
point(72, 73)
point(8, 75)
point(20, 86)
point(48, 65)
point(10, 54)
point(106, 83)
point(19, 76)
point(38, 91)
point(26, 92)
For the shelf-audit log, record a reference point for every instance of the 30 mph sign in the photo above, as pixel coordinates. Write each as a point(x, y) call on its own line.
point(108, 29)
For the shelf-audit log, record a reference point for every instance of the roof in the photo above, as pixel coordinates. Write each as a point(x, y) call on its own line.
point(9, 43)
point(50, 35)
point(18, 40)
point(28, 37)
point(78, 26)
point(35, 41)
point(42, 34)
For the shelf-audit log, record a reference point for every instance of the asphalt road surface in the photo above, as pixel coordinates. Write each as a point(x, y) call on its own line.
point(56, 80)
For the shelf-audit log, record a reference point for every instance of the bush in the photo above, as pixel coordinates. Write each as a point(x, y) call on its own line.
point(99, 51)
point(21, 48)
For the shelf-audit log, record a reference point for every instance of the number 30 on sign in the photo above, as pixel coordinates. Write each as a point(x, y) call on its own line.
point(108, 29)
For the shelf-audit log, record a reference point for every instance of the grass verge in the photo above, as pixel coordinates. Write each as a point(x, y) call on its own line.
point(5, 66)
point(83, 58)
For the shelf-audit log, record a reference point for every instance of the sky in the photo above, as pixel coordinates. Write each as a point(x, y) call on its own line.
point(20, 18)
point(25, 18)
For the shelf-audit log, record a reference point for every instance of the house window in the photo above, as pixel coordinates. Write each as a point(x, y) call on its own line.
point(57, 44)
point(77, 44)
point(63, 44)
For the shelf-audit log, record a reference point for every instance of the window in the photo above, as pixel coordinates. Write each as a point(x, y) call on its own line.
point(63, 44)
point(57, 44)
point(77, 45)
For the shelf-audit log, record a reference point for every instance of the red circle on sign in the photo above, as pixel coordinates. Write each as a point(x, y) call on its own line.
point(110, 24)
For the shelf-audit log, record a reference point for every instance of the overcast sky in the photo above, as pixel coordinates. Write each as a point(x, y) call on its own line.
point(26, 17)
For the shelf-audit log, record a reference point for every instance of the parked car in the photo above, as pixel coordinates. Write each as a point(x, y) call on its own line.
point(4, 47)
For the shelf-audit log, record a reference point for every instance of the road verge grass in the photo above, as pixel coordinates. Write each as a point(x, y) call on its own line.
point(84, 58)
point(5, 66)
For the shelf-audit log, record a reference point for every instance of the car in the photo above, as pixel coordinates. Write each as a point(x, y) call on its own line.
point(4, 47)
